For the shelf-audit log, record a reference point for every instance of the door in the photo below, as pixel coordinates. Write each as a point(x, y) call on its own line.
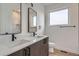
point(44, 47)
point(35, 49)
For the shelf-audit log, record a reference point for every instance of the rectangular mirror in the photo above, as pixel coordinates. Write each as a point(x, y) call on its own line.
point(10, 18)
point(32, 20)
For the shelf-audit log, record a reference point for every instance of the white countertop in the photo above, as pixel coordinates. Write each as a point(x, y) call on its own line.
point(6, 50)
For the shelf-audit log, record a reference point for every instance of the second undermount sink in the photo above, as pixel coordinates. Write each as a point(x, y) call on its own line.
point(16, 43)
point(38, 36)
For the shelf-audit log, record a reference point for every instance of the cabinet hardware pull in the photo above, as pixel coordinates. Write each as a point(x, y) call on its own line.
point(28, 51)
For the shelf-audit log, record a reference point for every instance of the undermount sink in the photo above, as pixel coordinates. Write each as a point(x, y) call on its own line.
point(35, 37)
point(39, 36)
point(16, 43)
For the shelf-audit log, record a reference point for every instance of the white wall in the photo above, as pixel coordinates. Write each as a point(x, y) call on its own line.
point(0, 17)
point(78, 25)
point(64, 38)
point(40, 14)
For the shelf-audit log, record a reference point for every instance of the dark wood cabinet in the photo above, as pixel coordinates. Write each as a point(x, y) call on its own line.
point(35, 49)
point(44, 47)
point(39, 48)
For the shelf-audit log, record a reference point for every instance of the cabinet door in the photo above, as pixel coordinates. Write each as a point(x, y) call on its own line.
point(44, 47)
point(27, 51)
point(18, 53)
point(35, 49)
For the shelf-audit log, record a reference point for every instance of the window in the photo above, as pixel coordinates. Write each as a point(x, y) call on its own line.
point(59, 17)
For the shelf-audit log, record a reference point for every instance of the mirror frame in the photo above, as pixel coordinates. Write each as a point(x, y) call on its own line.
point(29, 19)
point(20, 22)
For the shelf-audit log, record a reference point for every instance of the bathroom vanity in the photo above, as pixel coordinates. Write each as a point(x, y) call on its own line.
point(38, 48)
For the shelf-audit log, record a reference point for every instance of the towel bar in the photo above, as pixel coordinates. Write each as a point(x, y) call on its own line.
point(67, 26)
